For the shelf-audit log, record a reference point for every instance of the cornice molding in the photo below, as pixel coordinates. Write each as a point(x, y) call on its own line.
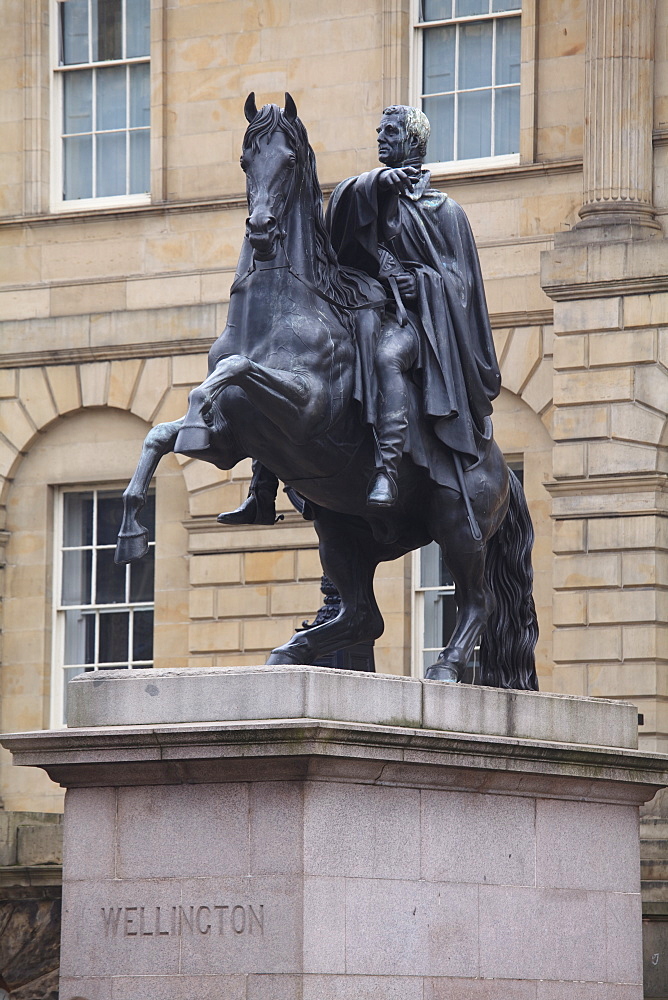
point(598, 485)
point(637, 285)
point(107, 352)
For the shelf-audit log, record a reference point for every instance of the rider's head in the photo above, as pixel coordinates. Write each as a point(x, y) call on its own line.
point(403, 134)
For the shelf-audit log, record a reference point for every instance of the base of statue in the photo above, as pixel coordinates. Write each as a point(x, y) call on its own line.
point(299, 833)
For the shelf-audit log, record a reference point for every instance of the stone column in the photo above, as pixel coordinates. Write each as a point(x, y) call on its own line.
point(618, 115)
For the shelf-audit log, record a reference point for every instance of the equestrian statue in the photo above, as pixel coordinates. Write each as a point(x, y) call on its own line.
point(357, 366)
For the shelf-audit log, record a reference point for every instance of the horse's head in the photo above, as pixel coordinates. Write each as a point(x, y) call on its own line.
point(274, 152)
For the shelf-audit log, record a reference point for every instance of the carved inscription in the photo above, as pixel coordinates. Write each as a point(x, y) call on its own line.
point(176, 921)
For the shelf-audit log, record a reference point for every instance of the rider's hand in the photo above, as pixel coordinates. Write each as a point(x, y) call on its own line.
point(397, 179)
point(407, 285)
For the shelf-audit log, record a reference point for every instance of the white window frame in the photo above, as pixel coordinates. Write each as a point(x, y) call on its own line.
point(58, 666)
point(416, 66)
point(58, 203)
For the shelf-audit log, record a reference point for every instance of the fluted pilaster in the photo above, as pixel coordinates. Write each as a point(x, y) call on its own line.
point(618, 113)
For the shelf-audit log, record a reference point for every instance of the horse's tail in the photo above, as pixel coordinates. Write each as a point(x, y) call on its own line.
point(508, 642)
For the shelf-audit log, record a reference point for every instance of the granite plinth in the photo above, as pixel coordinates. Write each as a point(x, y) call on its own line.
point(297, 857)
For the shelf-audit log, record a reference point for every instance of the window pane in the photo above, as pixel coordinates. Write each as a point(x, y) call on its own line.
point(76, 577)
point(111, 98)
point(436, 10)
point(142, 638)
point(110, 169)
point(78, 167)
point(475, 125)
point(109, 516)
point(114, 632)
point(79, 637)
point(75, 31)
point(140, 176)
point(141, 577)
point(78, 519)
point(498, 5)
point(110, 580)
point(507, 121)
point(107, 29)
point(78, 101)
point(140, 96)
point(138, 16)
point(441, 114)
point(466, 8)
point(439, 619)
point(507, 50)
point(475, 55)
point(438, 73)
point(430, 559)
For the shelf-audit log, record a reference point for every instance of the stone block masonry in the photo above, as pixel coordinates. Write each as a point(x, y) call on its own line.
point(342, 836)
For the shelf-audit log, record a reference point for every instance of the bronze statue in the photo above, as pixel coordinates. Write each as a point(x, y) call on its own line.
point(358, 366)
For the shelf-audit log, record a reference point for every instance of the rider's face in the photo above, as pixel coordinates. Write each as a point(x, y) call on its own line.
point(393, 143)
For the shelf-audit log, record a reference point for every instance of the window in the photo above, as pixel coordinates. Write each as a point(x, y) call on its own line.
point(434, 606)
point(468, 63)
point(102, 91)
point(104, 612)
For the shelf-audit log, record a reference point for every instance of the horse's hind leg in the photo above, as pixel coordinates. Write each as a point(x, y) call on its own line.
point(349, 557)
point(465, 558)
point(133, 536)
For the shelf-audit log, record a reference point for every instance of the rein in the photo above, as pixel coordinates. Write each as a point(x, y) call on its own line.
point(308, 284)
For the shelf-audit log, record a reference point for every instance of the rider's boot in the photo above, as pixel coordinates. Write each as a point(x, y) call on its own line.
point(259, 507)
point(391, 435)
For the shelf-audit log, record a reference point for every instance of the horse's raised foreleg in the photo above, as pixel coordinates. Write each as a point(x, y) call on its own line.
point(133, 536)
point(294, 401)
point(349, 557)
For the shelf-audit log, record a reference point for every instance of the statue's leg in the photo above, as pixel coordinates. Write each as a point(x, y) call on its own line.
point(296, 402)
point(396, 353)
point(465, 558)
point(259, 507)
point(349, 557)
point(133, 537)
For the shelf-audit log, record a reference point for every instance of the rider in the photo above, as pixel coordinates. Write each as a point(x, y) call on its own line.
point(390, 223)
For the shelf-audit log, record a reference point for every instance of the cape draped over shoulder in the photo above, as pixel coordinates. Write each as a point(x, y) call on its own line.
point(457, 370)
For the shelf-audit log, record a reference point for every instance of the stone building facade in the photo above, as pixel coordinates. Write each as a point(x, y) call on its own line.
point(112, 289)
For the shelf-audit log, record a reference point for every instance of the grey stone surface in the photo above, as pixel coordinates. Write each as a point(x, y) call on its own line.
point(588, 991)
point(587, 845)
point(276, 827)
point(178, 987)
point(89, 833)
point(542, 934)
point(362, 988)
point(39, 844)
point(273, 987)
point(529, 715)
point(478, 989)
point(398, 928)
point(623, 915)
point(227, 694)
point(324, 925)
point(361, 830)
point(204, 831)
point(468, 837)
point(261, 931)
point(84, 988)
point(161, 697)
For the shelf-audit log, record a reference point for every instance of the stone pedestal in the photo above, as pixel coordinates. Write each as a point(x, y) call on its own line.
point(296, 833)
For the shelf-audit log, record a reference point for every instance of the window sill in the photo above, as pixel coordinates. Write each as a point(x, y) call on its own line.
point(97, 204)
point(483, 163)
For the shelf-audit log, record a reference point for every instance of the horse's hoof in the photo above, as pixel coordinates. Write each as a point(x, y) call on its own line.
point(440, 672)
point(129, 548)
point(282, 657)
point(192, 439)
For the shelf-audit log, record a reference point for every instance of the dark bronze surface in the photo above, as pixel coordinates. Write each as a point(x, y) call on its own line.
point(358, 367)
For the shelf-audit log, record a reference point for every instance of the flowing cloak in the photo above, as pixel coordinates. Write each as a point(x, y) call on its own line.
point(457, 374)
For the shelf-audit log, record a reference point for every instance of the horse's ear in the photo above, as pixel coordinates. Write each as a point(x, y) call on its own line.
point(250, 108)
point(290, 109)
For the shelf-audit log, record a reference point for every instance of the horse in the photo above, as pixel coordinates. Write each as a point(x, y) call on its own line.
point(281, 388)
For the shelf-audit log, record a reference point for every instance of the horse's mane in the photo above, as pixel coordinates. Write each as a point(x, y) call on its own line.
point(266, 122)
